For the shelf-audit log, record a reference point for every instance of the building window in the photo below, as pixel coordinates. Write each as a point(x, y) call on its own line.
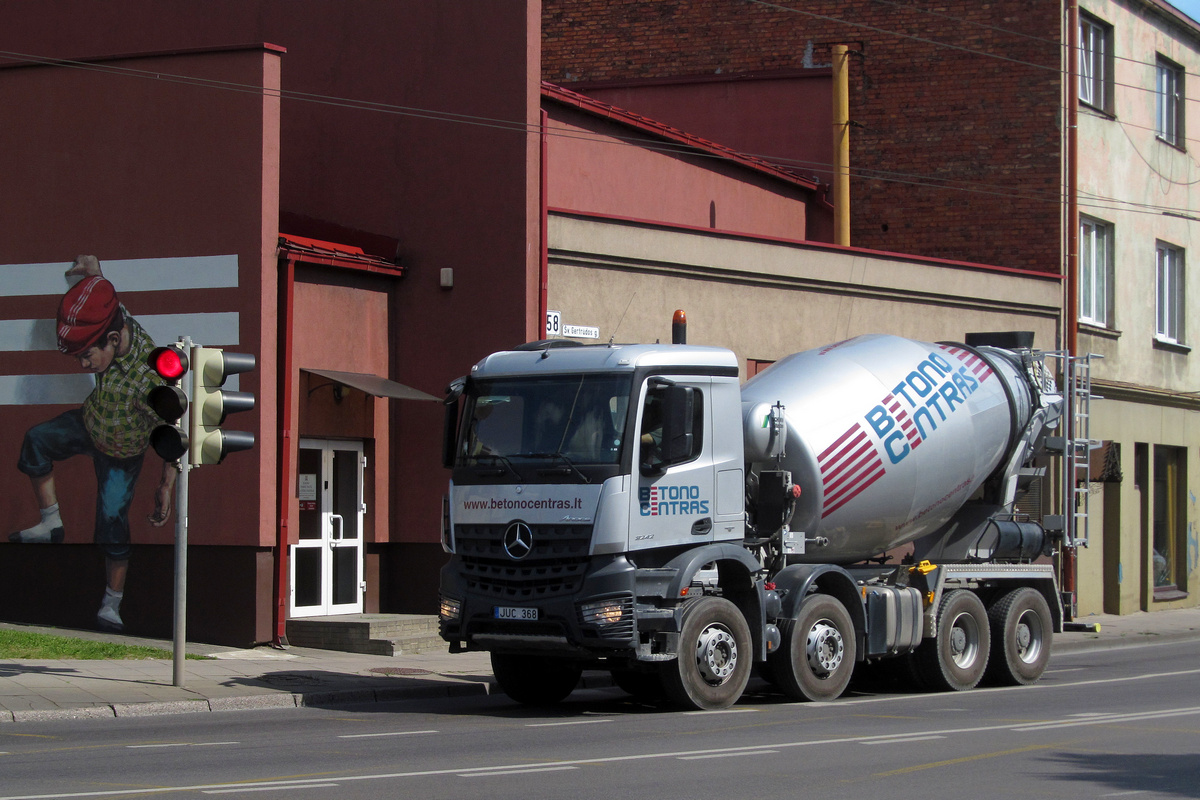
point(1170, 516)
point(1168, 92)
point(1095, 272)
point(1095, 63)
point(1169, 302)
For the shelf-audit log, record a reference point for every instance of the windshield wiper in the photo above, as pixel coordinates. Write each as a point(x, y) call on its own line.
point(497, 458)
point(570, 465)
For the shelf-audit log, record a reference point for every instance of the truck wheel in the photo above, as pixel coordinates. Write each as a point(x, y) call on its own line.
point(816, 657)
point(644, 686)
point(535, 680)
point(1021, 636)
point(715, 656)
point(956, 659)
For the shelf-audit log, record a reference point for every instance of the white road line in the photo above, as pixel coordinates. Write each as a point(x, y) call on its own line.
point(389, 733)
point(724, 711)
point(269, 788)
point(905, 740)
point(729, 755)
point(496, 773)
point(572, 722)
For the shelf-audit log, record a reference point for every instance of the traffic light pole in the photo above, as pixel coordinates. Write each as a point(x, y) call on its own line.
point(179, 636)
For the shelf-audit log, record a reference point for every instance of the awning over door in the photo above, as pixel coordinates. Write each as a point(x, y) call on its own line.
point(374, 385)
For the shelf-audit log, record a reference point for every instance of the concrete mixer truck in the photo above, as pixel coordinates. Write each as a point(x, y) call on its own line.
point(633, 508)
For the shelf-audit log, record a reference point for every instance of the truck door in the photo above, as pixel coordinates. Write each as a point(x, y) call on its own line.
point(675, 494)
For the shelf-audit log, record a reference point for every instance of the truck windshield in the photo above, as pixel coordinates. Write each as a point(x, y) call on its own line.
point(571, 419)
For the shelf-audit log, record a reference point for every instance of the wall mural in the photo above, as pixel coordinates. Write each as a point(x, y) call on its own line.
point(109, 422)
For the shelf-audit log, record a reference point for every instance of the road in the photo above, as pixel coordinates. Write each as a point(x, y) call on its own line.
point(1110, 723)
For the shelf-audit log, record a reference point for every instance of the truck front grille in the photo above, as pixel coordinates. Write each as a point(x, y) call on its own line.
point(555, 565)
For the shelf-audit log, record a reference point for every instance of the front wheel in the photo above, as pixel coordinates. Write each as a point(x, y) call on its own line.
point(816, 658)
point(535, 680)
point(715, 656)
point(956, 658)
point(1021, 636)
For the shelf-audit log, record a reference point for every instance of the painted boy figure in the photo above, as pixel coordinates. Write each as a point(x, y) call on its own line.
point(112, 427)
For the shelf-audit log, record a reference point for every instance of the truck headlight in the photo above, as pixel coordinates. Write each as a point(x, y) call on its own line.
point(450, 609)
point(602, 612)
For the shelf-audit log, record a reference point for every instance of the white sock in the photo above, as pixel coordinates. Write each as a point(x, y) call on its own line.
point(41, 532)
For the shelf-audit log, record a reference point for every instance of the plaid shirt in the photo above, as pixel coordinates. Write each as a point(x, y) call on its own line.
point(116, 413)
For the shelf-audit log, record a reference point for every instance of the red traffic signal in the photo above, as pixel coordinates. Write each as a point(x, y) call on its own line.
point(170, 362)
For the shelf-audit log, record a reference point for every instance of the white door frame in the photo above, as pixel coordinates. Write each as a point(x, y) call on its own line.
point(325, 567)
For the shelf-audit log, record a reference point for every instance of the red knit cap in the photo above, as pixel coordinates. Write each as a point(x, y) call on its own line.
point(85, 313)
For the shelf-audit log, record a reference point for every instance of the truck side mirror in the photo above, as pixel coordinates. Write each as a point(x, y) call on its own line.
point(678, 443)
point(450, 423)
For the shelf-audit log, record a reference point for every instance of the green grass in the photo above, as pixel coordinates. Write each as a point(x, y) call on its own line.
point(27, 645)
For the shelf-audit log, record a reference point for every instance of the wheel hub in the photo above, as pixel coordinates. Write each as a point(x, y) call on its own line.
point(964, 641)
point(824, 648)
point(716, 654)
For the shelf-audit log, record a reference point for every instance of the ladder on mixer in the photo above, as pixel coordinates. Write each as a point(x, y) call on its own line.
point(1076, 461)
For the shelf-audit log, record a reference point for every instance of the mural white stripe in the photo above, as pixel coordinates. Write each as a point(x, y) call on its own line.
point(213, 330)
point(127, 275)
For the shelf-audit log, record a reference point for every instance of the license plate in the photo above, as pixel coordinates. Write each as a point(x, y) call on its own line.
point(514, 612)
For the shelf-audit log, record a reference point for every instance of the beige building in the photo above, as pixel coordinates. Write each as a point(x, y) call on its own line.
point(1137, 184)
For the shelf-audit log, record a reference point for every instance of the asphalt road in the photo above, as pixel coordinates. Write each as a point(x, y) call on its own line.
point(1108, 723)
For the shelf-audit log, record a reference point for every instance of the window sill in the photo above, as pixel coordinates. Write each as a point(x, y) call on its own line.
point(1092, 329)
point(1165, 594)
point(1099, 111)
point(1170, 346)
point(1169, 143)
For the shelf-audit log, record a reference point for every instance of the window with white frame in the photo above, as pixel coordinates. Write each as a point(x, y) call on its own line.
point(1095, 272)
point(1168, 93)
point(1095, 62)
point(1169, 302)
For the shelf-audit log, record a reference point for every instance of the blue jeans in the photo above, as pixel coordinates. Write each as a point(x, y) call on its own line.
point(65, 436)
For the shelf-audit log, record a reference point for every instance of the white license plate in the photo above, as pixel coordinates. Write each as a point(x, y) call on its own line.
point(514, 612)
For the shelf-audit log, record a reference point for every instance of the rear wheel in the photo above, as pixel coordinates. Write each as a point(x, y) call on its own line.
point(956, 658)
point(715, 656)
point(535, 680)
point(816, 658)
point(1021, 634)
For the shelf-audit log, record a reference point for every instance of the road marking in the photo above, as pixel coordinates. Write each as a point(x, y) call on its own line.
point(177, 744)
point(729, 755)
point(724, 711)
point(964, 760)
point(495, 773)
point(906, 740)
point(269, 788)
point(389, 733)
point(572, 722)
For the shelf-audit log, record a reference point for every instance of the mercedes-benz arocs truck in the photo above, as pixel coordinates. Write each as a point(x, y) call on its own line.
point(634, 508)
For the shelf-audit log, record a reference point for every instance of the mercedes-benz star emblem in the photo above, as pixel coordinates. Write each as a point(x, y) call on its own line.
point(518, 540)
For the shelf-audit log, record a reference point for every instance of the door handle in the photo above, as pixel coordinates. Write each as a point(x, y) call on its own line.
point(702, 526)
point(337, 533)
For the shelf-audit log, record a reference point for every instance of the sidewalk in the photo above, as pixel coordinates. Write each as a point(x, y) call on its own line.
point(264, 677)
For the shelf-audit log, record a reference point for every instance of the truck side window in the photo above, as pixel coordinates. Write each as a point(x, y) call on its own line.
point(655, 454)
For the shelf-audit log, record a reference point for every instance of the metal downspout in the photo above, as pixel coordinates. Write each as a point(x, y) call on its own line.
point(286, 392)
point(544, 233)
point(841, 145)
point(1071, 279)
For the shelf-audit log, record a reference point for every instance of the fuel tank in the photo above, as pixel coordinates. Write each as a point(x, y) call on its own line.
point(887, 437)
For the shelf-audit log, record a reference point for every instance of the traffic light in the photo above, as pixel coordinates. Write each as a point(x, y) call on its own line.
point(211, 405)
point(169, 402)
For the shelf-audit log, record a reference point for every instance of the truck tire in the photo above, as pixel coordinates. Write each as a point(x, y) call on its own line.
point(535, 680)
point(816, 657)
point(1021, 635)
point(715, 656)
point(956, 659)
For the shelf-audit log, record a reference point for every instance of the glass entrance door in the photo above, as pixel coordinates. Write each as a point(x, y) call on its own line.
point(326, 563)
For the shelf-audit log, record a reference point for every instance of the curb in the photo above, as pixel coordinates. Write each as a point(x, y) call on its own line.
point(251, 702)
